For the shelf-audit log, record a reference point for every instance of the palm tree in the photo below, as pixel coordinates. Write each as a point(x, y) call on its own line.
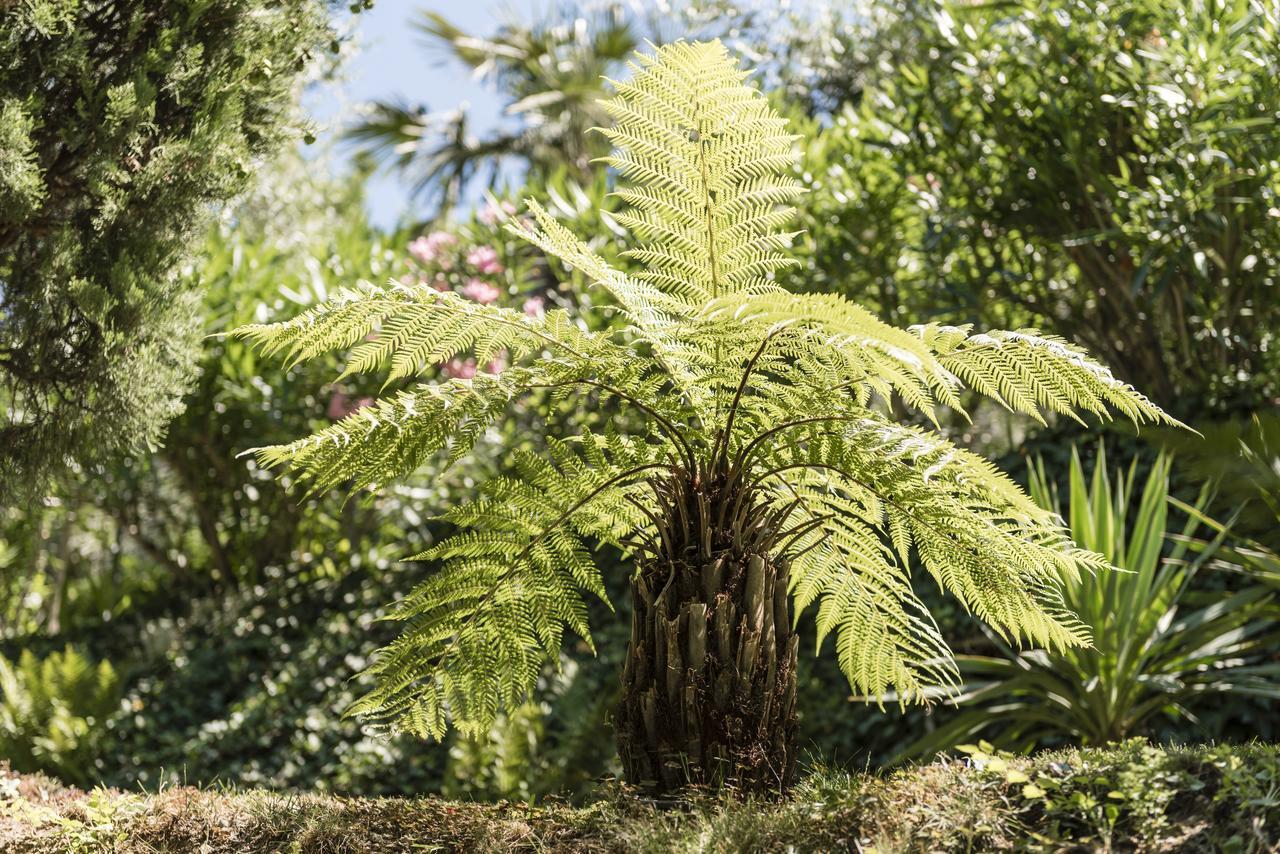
point(552, 74)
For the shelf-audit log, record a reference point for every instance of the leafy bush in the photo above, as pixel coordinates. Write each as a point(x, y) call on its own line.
point(52, 712)
point(1242, 457)
point(249, 688)
point(1160, 646)
point(122, 125)
point(1103, 169)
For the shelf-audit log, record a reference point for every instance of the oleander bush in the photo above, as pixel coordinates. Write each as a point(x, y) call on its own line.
point(1105, 169)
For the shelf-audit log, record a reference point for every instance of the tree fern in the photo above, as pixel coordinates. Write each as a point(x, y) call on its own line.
point(769, 472)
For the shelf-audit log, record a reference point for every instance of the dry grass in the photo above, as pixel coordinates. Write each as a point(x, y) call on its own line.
point(1132, 797)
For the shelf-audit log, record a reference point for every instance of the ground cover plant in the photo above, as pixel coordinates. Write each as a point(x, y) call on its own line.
point(768, 469)
point(1127, 797)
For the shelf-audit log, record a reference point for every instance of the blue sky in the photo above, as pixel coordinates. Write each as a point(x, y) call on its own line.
point(391, 62)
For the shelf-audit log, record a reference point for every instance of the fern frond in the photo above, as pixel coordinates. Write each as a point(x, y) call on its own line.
point(706, 156)
point(885, 635)
point(479, 631)
point(887, 358)
point(974, 530)
point(413, 327)
point(655, 315)
point(1027, 371)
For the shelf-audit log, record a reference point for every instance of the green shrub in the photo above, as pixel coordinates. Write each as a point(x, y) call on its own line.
point(122, 126)
point(1103, 169)
point(52, 711)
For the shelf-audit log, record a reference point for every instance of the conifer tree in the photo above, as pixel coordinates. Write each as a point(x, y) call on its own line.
point(769, 479)
point(122, 125)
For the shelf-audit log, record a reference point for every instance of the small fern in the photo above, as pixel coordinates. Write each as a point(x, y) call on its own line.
point(52, 712)
point(768, 469)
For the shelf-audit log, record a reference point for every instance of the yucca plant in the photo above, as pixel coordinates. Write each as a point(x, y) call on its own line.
point(1159, 648)
point(768, 473)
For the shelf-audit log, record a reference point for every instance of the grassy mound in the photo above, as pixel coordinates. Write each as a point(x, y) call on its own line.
point(1133, 796)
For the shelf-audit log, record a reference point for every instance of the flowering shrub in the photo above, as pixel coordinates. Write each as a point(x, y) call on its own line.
point(475, 260)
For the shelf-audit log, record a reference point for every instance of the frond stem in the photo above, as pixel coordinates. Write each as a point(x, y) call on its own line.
point(750, 448)
point(665, 423)
point(803, 528)
point(722, 442)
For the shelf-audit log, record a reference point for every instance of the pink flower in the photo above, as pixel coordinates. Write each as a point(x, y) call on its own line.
point(497, 364)
point(481, 291)
point(460, 369)
point(535, 306)
point(495, 213)
point(485, 260)
point(428, 249)
point(341, 405)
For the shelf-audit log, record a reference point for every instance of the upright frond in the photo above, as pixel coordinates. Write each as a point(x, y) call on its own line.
point(705, 156)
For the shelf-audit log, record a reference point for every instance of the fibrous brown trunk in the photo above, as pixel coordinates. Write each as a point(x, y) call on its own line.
point(709, 684)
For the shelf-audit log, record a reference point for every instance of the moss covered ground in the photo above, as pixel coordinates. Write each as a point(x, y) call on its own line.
point(1129, 797)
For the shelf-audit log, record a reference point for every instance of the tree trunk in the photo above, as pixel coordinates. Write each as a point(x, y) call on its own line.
point(709, 685)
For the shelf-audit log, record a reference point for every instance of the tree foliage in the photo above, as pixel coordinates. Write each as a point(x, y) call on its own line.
point(1105, 169)
point(121, 124)
point(550, 72)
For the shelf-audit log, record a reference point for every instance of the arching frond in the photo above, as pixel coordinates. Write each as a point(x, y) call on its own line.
point(1027, 371)
point(980, 537)
point(413, 327)
point(884, 358)
point(706, 157)
point(481, 629)
point(655, 316)
point(885, 635)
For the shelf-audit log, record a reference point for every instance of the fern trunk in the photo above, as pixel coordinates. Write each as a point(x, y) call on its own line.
point(709, 684)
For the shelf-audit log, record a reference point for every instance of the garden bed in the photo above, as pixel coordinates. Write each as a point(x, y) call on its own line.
point(1130, 797)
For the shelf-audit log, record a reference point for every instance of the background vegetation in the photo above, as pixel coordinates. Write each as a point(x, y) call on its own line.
point(1107, 172)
